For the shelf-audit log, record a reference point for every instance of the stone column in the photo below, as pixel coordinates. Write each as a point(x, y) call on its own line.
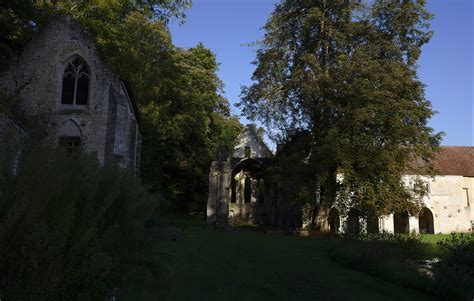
point(413, 224)
point(386, 223)
point(211, 213)
point(219, 192)
point(224, 192)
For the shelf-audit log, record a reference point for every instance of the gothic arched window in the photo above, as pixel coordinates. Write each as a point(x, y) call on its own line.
point(247, 190)
point(233, 193)
point(76, 83)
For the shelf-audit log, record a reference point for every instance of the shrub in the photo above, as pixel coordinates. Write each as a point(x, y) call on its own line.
point(451, 283)
point(65, 224)
point(459, 250)
point(454, 276)
point(388, 245)
point(396, 258)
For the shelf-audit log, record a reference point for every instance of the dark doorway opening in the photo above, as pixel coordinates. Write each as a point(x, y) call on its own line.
point(426, 221)
point(372, 223)
point(334, 220)
point(353, 222)
point(400, 222)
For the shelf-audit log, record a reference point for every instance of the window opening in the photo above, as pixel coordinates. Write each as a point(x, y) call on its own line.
point(76, 83)
point(71, 146)
point(248, 190)
point(247, 152)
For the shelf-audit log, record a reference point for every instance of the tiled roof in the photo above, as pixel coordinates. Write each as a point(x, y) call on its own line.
point(455, 160)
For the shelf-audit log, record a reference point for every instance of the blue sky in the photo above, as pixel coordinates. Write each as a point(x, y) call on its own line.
point(446, 65)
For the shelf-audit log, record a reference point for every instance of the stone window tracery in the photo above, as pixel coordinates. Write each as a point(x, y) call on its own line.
point(75, 90)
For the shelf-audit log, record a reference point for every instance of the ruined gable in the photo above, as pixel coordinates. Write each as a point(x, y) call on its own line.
point(249, 140)
point(60, 78)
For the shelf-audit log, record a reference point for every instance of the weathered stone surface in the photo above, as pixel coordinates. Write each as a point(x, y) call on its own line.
point(449, 203)
point(239, 191)
point(219, 193)
point(249, 138)
point(107, 125)
point(12, 135)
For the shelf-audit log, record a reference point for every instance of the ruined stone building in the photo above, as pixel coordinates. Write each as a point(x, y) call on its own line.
point(239, 193)
point(239, 190)
point(61, 81)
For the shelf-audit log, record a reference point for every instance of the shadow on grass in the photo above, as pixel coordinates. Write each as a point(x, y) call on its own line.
point(205, 264)
point(404, 260)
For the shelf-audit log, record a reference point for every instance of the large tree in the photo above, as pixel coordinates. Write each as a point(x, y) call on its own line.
point(347, 73)
point(179, 95)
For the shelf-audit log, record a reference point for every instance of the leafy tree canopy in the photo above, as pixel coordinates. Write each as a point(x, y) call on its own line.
point(347, 74)
point(184, 115)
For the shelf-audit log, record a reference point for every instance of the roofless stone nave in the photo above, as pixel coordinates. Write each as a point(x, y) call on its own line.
point(239, 195)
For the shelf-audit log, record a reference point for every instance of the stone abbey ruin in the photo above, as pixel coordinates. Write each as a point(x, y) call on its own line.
point(238, 194)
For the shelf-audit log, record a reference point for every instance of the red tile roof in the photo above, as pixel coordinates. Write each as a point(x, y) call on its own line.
point(455, 160)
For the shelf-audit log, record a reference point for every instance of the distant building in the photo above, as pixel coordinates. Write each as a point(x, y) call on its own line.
point(239, 193)
point(448, 206)
point(61, 81)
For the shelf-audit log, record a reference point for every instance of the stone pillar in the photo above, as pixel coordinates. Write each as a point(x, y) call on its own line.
point(413, 224)
point(224, 192)
point(343, 223)
point(386, 223)
point(213, 193)
point(219, 192)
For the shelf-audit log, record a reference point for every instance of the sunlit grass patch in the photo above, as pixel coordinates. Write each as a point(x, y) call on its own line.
point(433, 238)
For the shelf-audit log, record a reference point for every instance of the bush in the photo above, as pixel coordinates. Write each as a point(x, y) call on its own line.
point(451, 283)
point(459, 250)
point(388, 245)
point(380, 254)
point(65, 224)
point(454, 276)
point(396, 258)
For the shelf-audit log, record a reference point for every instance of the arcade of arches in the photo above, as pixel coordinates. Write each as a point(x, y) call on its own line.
point(426, 221)
point(354, 223)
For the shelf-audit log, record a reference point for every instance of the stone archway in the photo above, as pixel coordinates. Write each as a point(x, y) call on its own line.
point(372, 223)
point(245, 193)
point(353, 222)
point(334, 220)
point(426, 221)
point(401, 222)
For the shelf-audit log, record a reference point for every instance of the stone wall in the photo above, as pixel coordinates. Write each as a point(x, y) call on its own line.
point(243, 212)
point(449, 201)
point(106, 124)
point(219, 192)
point(249, 138)
point(12, 135)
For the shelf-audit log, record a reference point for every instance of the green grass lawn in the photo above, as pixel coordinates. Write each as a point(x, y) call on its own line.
point(205, 264)
point(433, 238)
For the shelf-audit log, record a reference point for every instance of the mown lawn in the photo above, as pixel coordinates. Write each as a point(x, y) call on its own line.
point(433, 238)
point(205, 264)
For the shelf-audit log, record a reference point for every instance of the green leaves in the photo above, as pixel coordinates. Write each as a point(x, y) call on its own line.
point(347, 74)
point(183, 125)
point(66, 223)
point(184, 116)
